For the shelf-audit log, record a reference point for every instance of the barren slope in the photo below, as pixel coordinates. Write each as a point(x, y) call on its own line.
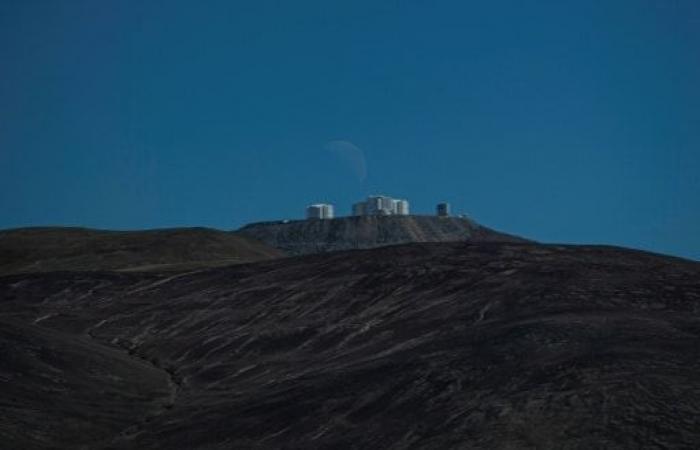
point(56, 248)
point(462, 345)
point(301, 237)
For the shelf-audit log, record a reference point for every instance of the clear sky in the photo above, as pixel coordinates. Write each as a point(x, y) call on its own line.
point(562, 121)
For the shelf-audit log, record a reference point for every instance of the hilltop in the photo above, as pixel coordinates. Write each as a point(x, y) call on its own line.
point(44, 249)
point(486, 345)
point(300, 237)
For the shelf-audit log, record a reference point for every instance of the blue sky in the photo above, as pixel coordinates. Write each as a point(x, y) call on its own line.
point(562, 121)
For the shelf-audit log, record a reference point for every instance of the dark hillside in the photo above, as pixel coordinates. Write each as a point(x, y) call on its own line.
point(459, 345)
point(49, 249)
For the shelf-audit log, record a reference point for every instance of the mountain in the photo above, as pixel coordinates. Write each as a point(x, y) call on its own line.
point(484, 345)
point(60, 248)
point(302, 237)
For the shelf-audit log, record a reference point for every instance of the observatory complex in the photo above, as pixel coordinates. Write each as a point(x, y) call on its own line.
point(374, 205)
point(380, 205)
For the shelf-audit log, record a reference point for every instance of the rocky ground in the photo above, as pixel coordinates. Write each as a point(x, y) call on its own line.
point(451, 345)
point(303, 237)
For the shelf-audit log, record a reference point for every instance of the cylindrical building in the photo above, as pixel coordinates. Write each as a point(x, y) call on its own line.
point(443, 209)
point(402, 207)
point(319, 211)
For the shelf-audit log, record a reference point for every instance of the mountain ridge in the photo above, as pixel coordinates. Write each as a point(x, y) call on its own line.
point(41, 249)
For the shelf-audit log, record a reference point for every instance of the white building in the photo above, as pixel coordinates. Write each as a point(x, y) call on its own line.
point(402, 207)
point(376, 205)
point(319, 211)
point(380, 205)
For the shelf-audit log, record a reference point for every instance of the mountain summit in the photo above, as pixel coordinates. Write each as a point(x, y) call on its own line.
point(300, 237)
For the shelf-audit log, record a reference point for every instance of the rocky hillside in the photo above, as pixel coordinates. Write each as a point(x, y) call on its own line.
point(459, 345)
point(302, 237)
point(60, 248)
